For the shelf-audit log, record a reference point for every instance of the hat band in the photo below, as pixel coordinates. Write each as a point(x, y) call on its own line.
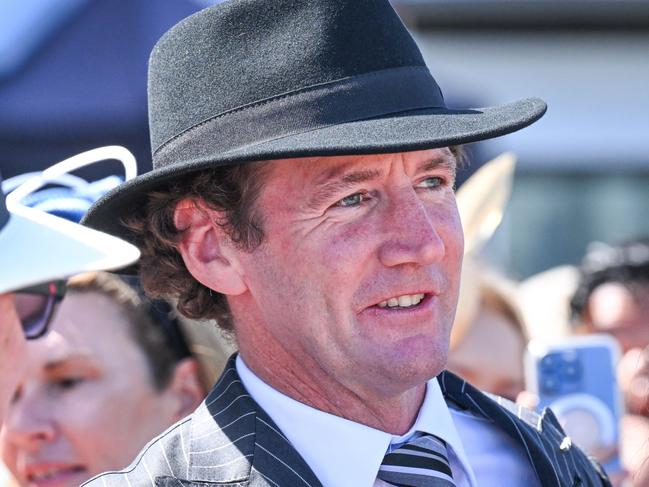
point(350, 99)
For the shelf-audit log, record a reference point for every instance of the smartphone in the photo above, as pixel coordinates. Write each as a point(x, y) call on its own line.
point(576, 378)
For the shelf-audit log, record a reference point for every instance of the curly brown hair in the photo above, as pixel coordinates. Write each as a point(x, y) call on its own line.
point(231, 190)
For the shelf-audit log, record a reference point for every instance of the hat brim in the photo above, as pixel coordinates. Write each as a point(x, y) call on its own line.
point(409, 131)
point(37, 247)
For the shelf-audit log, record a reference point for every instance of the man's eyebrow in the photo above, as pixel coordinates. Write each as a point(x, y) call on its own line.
point(332, 187)
point(65, 360)
point(336, 182)
point(447, 162)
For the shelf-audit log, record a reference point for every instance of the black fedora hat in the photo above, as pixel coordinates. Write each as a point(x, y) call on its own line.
point(250, 80)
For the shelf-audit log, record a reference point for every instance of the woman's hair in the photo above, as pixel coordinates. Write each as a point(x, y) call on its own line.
point(151, 324)
point(231, 190)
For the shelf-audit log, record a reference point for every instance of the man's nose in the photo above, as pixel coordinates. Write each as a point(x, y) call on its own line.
point(412, 232)
point(28, 425)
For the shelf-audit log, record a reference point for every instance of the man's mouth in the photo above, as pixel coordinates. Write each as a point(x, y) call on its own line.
point(403, 301)
point(53, 474)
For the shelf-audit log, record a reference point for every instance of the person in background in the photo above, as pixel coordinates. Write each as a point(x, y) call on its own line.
point(487, 346)
point(612, 297)
point(113, 371)
point(69, 196)
point(613, 293)
point(36, 249)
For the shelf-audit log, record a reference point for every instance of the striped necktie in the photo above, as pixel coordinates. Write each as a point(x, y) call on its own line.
point(422, 462)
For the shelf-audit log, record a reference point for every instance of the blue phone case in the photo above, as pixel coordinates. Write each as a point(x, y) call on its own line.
point(576, 379)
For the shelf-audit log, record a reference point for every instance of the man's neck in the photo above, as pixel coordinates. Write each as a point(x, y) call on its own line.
point(305, 381)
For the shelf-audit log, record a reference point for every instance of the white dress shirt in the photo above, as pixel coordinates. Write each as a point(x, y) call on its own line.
point(342, 453)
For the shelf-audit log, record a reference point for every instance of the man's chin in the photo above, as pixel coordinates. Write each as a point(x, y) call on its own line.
point(417, 372)
point(398, 375)
point(419, 354)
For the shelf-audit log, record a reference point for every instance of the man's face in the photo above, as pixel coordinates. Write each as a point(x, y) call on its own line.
point(358, 274)
point(12, 351)
point(621, 311)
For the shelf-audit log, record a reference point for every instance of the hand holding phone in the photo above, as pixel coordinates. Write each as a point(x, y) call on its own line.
point(576, 378)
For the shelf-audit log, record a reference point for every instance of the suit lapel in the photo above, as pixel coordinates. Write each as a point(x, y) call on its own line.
point(222, 433)
point(277, 460)
point(234, 442)
point(508, 419)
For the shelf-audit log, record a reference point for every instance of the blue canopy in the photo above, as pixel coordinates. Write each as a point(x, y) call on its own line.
point(73, 77)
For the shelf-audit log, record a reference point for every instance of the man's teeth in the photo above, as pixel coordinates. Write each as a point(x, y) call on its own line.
point(45, 474)
point(48, 473)
point(404, 301)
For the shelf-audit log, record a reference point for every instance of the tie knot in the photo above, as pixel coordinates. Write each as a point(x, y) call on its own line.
point(421, 462)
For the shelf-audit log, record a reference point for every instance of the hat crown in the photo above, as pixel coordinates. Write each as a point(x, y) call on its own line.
point(243, 51)
point(252, 80)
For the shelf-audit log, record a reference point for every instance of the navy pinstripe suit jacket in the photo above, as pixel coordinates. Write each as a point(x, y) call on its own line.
point(230, 441)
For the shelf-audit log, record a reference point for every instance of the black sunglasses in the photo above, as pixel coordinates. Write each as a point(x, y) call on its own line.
point(35, 306)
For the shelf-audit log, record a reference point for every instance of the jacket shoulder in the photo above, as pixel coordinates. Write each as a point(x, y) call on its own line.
point(551, 453)
point(555, 440)
point(165, 455)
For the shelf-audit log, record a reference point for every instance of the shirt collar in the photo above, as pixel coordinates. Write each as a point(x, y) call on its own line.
point(356, 450)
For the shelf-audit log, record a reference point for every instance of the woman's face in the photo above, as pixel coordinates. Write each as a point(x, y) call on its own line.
point(12, 351)
point(490, 356)
point(86, 404)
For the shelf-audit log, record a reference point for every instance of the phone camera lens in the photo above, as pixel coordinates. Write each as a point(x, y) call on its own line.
point(571, 370)
point(549, 385)
point(549, 363)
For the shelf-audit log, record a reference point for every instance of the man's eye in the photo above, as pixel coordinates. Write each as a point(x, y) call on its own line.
point(351, 200)
point(17, 394)
point(69, 382)
point(431, 183)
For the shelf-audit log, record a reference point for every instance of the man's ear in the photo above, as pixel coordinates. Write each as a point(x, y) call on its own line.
point(185, 388)
point(206, 248)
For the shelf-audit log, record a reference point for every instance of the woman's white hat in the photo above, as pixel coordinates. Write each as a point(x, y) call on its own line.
point(36, 247)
